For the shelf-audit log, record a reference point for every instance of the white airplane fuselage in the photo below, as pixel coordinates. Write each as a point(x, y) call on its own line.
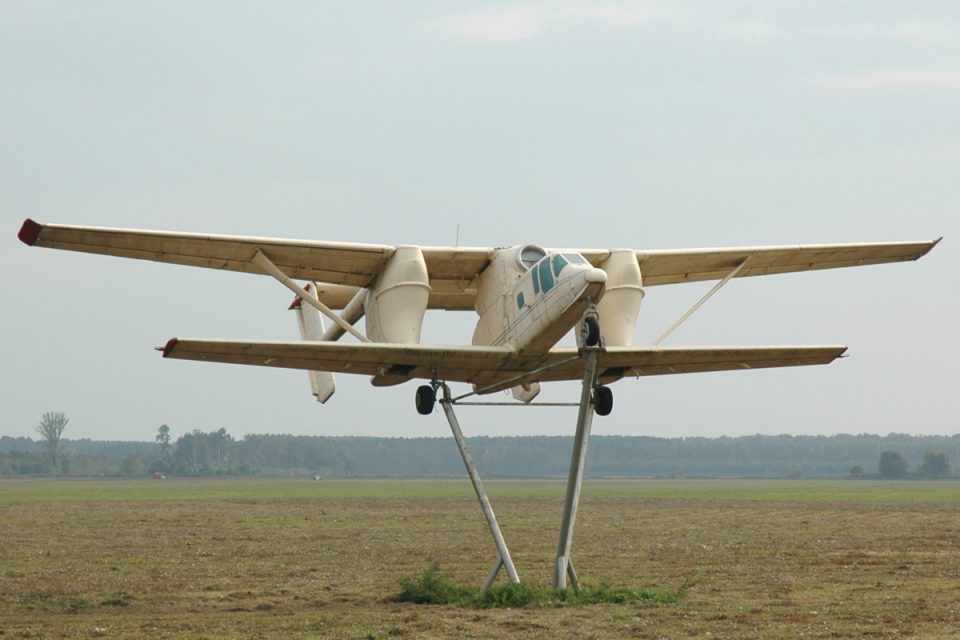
point(549, 300)
point(529, 308)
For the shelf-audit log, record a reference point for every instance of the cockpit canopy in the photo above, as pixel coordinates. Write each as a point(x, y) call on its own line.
point(548, 270)
point(529, 256)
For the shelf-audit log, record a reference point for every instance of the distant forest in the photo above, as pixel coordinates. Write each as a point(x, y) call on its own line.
point(200, 453)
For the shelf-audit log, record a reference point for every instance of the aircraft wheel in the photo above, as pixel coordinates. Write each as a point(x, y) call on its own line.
point(425, 399)
point(590, 331)
point(603, 401)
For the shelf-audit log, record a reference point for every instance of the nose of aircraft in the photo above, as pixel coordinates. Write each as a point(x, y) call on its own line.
point(596, 275)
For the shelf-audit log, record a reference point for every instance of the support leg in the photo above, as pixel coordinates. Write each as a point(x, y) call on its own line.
point(503, 553)
point(492, 576)
point(572, 574)
point(575, 478)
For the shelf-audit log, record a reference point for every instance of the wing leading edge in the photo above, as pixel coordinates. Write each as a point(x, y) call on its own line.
point(488, 366)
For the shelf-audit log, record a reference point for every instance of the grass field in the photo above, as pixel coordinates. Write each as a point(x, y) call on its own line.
point(302, 559)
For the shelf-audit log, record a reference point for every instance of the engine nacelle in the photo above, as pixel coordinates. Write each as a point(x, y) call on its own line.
point(395, 305)
point(620, 305)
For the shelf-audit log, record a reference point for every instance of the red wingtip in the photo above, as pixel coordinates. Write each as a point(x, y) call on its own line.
point(167, 348)
point(29, 232)
point(297, 300)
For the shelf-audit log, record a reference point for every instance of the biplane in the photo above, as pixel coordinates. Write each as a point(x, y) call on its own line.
point(526, 298)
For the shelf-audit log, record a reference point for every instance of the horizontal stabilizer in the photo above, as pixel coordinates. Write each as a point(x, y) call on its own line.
point(488, 367)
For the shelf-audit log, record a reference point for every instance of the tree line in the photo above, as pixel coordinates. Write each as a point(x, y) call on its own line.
point(216, 452)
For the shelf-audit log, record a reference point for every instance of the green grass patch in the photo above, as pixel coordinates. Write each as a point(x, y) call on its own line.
point(432, 587)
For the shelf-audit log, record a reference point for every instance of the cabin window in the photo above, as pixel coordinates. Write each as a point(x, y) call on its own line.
point(520, 300)
point(575, 258)
point(546, 278)
point(559, 262)
point(536, 281)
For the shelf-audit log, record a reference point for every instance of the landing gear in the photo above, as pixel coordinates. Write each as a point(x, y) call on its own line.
point(425, 399)
point(602, 400)
point(590, 331)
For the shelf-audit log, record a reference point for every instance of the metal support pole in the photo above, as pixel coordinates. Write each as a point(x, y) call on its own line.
point(578, 458)
point(503, 553)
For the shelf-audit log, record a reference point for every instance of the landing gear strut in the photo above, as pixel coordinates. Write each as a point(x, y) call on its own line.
point(590, 331)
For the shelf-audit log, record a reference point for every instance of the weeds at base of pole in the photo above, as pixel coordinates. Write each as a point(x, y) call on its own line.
point(432, 587)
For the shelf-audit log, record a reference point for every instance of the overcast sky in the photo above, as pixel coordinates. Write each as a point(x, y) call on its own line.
point(585, 124)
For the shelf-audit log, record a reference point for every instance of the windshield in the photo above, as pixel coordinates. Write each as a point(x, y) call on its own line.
point(559, 262)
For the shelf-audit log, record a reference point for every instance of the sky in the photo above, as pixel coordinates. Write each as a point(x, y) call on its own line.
point(651, 125)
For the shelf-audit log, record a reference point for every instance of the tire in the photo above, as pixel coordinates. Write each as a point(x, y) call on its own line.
point(590, 331)
point(603, 401)
point(425, 399)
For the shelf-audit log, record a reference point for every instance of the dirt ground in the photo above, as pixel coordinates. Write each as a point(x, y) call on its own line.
point(327, 566)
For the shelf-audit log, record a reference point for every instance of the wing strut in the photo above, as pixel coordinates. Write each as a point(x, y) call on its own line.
point(262, 261)
point(699, 303)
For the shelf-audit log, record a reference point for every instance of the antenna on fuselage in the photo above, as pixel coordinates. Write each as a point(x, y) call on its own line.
point(458, 235)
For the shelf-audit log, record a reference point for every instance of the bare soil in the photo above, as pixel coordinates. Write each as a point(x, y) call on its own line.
point(327, 566)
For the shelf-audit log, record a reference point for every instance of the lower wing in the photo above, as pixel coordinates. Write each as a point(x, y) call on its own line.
point(491, 368)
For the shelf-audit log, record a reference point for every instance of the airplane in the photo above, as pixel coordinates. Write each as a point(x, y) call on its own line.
point(527, 298)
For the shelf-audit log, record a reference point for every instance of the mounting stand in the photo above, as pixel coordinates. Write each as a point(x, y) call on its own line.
point(564, 566)
point(503, 554)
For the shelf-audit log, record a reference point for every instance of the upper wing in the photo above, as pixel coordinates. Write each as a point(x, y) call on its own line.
point(493, 367)
point(691, 265)
point(341, 266)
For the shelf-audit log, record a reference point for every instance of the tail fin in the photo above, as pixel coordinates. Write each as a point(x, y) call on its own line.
point(322, 384)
